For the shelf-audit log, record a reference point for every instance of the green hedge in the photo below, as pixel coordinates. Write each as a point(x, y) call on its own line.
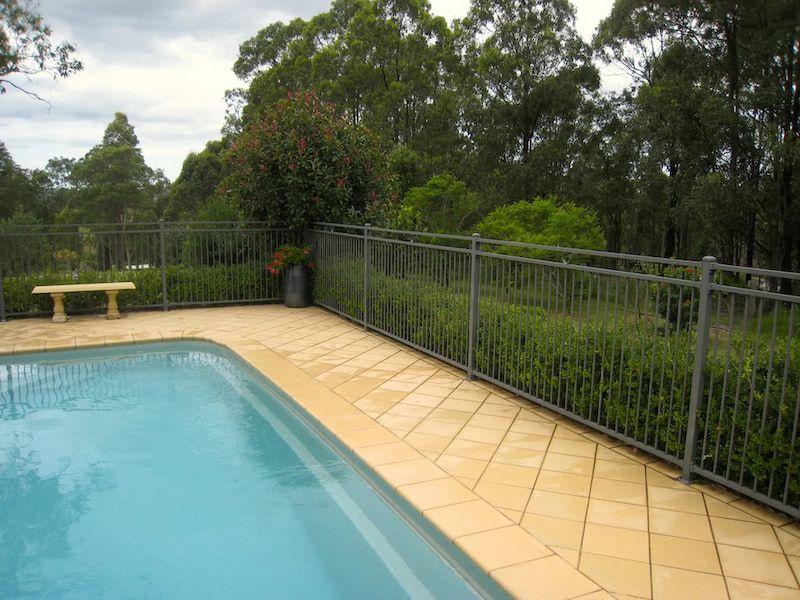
point(237, 283)
point(641, 388)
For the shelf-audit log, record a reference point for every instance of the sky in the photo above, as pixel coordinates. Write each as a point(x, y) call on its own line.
point(166, 65)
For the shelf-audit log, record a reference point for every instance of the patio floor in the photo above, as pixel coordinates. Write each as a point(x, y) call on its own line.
point(548, 508)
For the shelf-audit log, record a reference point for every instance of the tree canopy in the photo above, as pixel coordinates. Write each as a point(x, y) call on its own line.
point(26, 48)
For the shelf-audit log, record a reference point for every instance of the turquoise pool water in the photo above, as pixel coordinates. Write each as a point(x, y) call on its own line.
point(173, 472)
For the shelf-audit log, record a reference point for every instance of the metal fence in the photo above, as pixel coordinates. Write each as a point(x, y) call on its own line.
point(694, 361)
point(172, 264)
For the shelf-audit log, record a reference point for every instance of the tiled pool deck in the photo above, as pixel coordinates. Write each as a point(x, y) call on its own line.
point(548, 508)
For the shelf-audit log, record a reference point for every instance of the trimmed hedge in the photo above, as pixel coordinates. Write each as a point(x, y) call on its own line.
point(631, 376)
point(239, 283)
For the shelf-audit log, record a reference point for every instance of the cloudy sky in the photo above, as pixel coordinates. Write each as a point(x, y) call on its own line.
point(166, 65)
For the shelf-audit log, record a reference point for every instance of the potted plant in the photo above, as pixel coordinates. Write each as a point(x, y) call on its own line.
point(295, 263)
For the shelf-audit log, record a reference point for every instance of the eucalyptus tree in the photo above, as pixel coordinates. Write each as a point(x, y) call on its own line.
point(26, 48)
point(531, 76)
point(113, 184)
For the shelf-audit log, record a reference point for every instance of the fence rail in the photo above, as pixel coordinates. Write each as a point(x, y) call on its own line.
point(693, 361)
point(696, 362)
point(172, 264)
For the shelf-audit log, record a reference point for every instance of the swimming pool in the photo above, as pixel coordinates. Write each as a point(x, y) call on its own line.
point(171, 470)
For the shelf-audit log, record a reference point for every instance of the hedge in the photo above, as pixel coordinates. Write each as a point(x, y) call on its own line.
point(640, 386)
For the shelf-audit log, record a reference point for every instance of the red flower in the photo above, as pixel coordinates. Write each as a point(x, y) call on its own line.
point(301, 145)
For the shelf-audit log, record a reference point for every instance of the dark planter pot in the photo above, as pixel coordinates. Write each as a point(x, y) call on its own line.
point(296, 287)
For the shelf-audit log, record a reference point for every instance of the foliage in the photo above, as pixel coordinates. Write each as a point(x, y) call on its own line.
point(639, 387)
point(113, 183)
point(26, 48)
point(196, 184)
point(288, 256)
point(303, 162)
point(543, 221)
point(186, 284)
point(442, 205)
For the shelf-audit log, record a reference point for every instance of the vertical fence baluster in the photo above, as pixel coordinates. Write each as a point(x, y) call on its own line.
point(698, 371)
point(367, 273)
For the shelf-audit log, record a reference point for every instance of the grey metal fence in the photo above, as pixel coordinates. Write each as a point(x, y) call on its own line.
point(172, 264)
point(694, 361)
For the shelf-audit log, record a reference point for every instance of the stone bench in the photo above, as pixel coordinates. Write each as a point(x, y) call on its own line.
point(57, 294)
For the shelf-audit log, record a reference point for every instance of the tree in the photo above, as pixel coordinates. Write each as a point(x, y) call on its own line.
point(17, 192)
point(531, 74)
point(442, 205)
point(303, 162)
point(199, 178)
point(113, 183)
point(543, 221)
point(26, 48)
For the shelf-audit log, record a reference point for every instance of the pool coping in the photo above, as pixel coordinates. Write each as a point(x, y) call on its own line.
point(510, 555)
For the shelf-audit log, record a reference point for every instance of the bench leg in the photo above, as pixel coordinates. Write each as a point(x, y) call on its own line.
point(112, 310)
point(59, 316)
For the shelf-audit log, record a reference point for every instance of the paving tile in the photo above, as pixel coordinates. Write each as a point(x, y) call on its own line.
point(409, 471)
point(615, 541)
point(717, 508)
point(462, 467)
point(619, 491)
point(367, 437)
point(789, 542)
point(447, 415)
point(564, 483)
point(617, 514)
point(554, 531)
point(518, 456)
point(440, 428)
point(521, 425)
point(491, 422)
point(466, 406)
point(548, 578)
point(563, 506)
point(741, 589)
point(481, 434)
point(503, 495)
point(677, 584)
point(762, 512)
point(617, 574)
point(510, 474)
point(469, 517)
point(749, 535)
point(468, 449)
point(566, 463)
point(435, 493)
point(756, 565)
point(680, 524)
point(529, 441)
point(385, 454)
point(574, 447)
point(670, 499)
point(628, 471)
point(427, 443)
point(684, 553)
point(572, 557)
point(502, 547)
point(499, 410)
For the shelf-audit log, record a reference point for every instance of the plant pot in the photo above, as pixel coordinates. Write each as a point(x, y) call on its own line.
point(296, 287)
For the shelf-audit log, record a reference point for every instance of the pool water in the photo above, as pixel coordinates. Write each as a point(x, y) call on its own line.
point(174, 472)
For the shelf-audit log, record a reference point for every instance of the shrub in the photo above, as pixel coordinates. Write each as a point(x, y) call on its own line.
point(639, 386)
point(303, 162)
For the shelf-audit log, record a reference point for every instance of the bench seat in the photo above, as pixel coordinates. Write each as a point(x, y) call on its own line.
point(57, 294)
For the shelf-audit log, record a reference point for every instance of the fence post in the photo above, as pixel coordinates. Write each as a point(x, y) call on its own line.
point(162, 243)
point(367, 273)
point(698, 372)
point(2, 297)
point(474, 282)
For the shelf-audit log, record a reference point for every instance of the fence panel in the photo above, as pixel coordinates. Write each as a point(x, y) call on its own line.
point(194, 263)
point(749, 419)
